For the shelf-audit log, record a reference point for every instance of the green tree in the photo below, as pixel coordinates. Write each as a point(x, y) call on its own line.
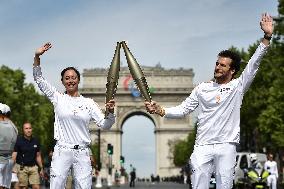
point(271, 119)
point(27, 105)
point(183, 149)
point(95, 151)
point(262, 109)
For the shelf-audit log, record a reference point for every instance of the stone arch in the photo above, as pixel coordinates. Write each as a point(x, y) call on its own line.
point(131, 113)
point(171, 86)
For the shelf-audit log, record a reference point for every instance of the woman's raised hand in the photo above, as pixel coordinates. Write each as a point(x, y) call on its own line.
point(42, 49)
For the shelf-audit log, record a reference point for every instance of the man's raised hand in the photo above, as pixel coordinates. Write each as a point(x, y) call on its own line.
point(266, 24)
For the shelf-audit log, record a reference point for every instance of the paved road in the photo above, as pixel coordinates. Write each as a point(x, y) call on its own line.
point(144, 185)
point(162, 185)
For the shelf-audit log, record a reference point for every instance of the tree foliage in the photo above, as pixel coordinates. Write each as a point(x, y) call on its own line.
point(95, 151)
point(27, 105)
point(183, 149)
point(262, 115)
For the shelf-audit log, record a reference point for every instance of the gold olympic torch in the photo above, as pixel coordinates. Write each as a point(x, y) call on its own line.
point(136, 73)
point(113, 75)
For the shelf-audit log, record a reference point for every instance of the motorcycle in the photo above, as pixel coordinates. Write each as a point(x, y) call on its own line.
point(212, 184)
point(254, 180)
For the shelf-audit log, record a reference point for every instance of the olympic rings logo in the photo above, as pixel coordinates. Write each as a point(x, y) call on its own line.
point(129, 84)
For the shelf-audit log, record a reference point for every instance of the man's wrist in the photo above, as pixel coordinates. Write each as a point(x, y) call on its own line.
point(161, 112)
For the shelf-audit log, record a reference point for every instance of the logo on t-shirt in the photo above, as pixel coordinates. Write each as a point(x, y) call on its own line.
point(224, 90)
point(222, 93)
point(218, 98)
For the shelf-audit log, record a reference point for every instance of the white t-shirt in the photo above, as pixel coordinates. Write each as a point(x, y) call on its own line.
point(219, 105)
point(72, 114)
point(271, 167)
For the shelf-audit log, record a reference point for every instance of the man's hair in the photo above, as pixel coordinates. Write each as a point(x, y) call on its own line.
point(70, 68)
point(236, 59)
point(26, 122)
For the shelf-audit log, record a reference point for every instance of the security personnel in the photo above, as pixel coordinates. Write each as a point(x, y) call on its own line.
point(271, 166)
point(8, 137)
point(255, 164)
point(28, 159)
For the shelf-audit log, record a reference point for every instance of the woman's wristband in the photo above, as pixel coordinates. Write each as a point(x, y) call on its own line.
point(36, 60)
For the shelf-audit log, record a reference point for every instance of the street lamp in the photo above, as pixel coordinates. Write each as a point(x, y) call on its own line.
point(99, 150)
point(98, 180)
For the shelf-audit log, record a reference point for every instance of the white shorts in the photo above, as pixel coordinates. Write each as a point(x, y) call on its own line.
point(14, 177)
point(6, 173)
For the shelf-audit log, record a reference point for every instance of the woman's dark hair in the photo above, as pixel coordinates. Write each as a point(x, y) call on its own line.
point(236, 60)
point(70, 68)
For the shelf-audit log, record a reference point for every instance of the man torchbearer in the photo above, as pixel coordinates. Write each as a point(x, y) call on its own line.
point(218, 127)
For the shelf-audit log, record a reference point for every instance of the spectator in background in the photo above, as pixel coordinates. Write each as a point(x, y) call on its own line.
point(8, 137)
point(152, 179)
point(132, 178)
point(47, 164)
point(116, 178)
point(271, 166)
point(28, 158)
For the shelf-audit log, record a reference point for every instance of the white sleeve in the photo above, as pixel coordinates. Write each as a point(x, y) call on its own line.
point(44, 86)
point(250, 70)
point(99, 118)
point(186, 107)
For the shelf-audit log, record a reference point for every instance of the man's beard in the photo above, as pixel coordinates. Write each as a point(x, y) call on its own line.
point(222, 77)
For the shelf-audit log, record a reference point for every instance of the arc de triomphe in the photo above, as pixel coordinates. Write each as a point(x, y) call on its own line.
point(168, 86)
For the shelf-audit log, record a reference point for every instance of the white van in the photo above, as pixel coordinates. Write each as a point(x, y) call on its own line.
point(243, 162)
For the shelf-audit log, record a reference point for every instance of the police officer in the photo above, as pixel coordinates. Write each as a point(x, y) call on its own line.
point(28, 158)
point(255, 164)
point(8, 137)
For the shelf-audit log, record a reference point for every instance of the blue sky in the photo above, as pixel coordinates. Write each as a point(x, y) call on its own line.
point(174, 33)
